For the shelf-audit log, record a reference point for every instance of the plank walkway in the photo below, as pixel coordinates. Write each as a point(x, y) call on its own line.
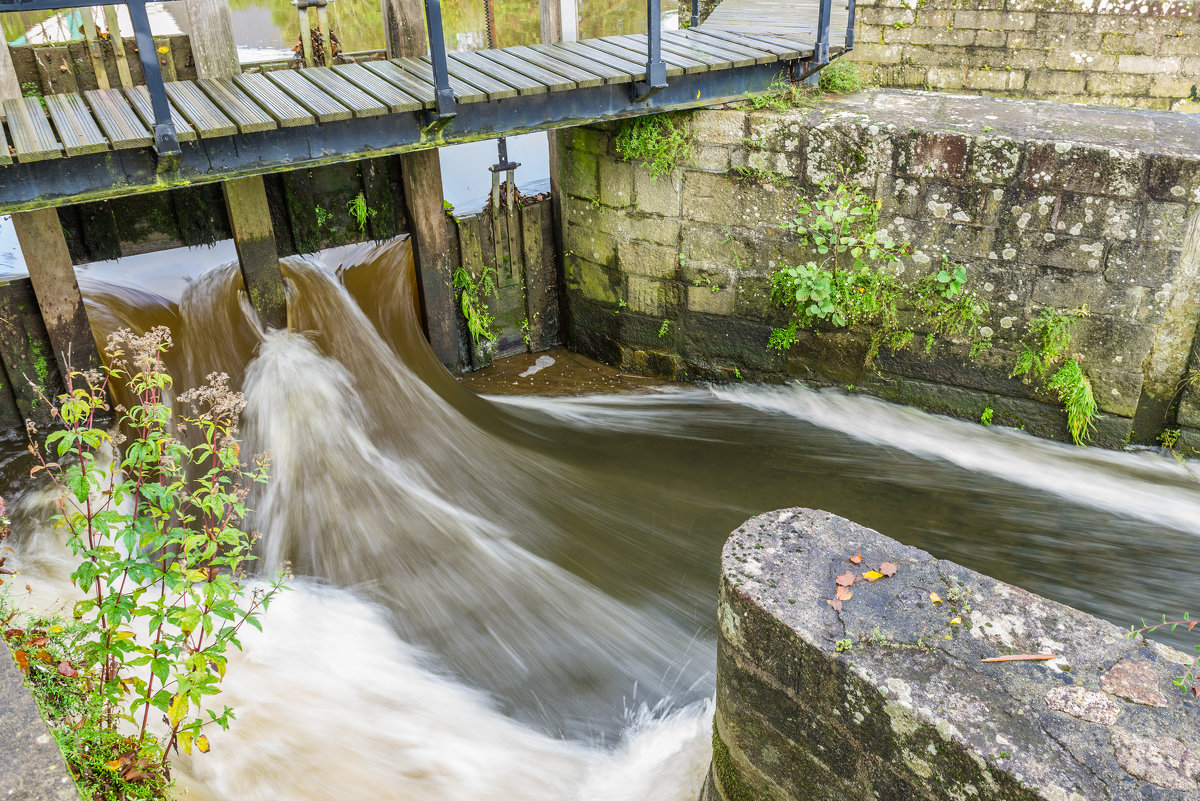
point(540, 82)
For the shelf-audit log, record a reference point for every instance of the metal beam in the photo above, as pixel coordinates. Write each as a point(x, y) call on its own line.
point(656, 69)
point(443, 95)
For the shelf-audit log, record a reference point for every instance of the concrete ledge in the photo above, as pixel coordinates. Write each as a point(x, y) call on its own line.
point(31, 766)
point(904, 708)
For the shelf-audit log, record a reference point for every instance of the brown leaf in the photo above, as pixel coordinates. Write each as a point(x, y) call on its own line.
point(1019, 658)
point(856, 559)
point(12, 633)
point(39, 641)
point(845, 579)
point(66, 669)
point(888, 569)
point(22, 660)
point(132, 774)
point(844, 594)
point(1192, 625)
point(44, 656)
point(837, 605)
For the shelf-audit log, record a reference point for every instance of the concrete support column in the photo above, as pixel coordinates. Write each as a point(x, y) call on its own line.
point(215, 55)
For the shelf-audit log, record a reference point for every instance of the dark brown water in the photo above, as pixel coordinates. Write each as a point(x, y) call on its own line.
point(514, 597)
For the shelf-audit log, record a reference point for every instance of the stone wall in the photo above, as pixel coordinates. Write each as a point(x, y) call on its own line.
point(1047, 204)
point(1127, 54)
point(888, 697)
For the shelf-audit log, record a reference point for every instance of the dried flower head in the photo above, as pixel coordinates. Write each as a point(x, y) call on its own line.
point(144, 350)
point(215, 402)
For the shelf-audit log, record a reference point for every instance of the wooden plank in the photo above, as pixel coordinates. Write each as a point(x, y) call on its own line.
point(463, 92)
point(4, 157)
point(387, 93)
point(522, 83)
point(781, 52)
point(308, 95)
point(728, 58)
point(166, 58)
point(32, 137)
point(804, 49)
point(496, 90)
point(122, 127)
point(718, 47)
point(92, 45)
point(349, 95)
point(396, 75)
point(237, 106)
point(615, 58)
point(673, 50)
point(551, 80)
point(54, 66)
point(139, 98)
point(584, 60)
point(273, 100)
point(208, 120)
point(118, 45)
point(77, 130)
point(583, 78)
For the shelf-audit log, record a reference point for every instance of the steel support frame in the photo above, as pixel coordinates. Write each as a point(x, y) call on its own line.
point(444, 107)
point(166, 140)
point(656, 68)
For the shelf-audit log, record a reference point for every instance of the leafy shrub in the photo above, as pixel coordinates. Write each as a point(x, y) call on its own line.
point(660, 141)
point(841, 77)
point(472, 300)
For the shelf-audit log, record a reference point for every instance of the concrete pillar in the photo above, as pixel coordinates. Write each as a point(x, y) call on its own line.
point(215, 56)
point(421, 173)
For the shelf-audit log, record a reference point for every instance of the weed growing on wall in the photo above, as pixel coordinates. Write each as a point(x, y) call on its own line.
point(472, 299)
point(1044, 357)
point(851, 280)
point(841, 77)
point(660, 141)
point(360, 212)
point(783, 94)
point(1189, 681)
point(156, 525)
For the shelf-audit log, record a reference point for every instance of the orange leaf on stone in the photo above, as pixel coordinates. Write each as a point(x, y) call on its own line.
point(888, 569)
point(845, 579)
point(856, 559)
point(22, 660)
point(933, 596)
point(872, 575)
point(837, 605)
point(844, 594)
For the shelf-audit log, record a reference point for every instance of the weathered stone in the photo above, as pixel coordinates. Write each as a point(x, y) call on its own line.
point(887, 697)
point(31, 766)
point(658, 195)
point(645, 259)
point(719, 127)
point(616, 183)
point(1134, 680)
point(1084, 704)
point(1160, 760)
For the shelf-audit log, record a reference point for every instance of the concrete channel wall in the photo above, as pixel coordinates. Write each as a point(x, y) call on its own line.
point(1048, 205)
point(888, 698)
point(1115, 52)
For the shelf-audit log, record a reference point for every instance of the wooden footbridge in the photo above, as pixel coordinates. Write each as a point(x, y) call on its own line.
point(231, 128)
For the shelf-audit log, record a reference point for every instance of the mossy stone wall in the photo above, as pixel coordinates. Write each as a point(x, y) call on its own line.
point(1047, 204)
point(1115, 52)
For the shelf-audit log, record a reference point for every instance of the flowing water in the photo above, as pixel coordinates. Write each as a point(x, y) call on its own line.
point(514, 597)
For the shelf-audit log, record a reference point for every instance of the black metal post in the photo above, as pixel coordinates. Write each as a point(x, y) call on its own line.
point(166, 142)
point(656, 69)
point(850, 27)
point(695, 13)
point(821, 48)
point(443, 94)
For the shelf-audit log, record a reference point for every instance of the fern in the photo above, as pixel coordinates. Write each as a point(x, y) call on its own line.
point(1075, 391)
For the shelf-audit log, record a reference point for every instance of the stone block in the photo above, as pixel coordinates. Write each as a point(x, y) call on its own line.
point(1080, 61)
point(994, 159)
point(994, 80)
point(1140, 265)
point(591, 244)
point(934, 154)
point(710, 300)
point(615, 182)
point(1149, 65)
point(652, 261)
point(1175, 178)
point(658, 195)
point(1116, 391)
point(580, 173)
point(1166, 224)
point(775, 131)
point(595, 282)
point(846, 144)
point(945, 78)
point(1098, 217)
point(658, 230)
point(1107, 343)
point(1083, 168)
point(1056, 82)
point(1062, 252)
point(649, 295)
point(719, 127)
point(733, 248)
point(711, 158)
point(1118, 83)
point(995, 39)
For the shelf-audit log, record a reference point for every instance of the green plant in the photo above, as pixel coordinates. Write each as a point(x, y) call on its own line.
point(844, 645)
point(660, 141)
point(472, 293)
point(622, 305)
point(662, 329)
point(841, 77)
point(772, 177)
point(1188, 680)
point(986, 417)
point(782, 95)
point(851, 280)
point(1050, 338)
point(360, 212)
point(323, 215)
point(161, 567)
point(1169, 438)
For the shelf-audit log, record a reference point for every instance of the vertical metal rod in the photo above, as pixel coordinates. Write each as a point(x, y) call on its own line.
point(850, 26)
point(656, 70)
point(695, 13)
point(166, 141)
point(444, 97)
point(821, 49)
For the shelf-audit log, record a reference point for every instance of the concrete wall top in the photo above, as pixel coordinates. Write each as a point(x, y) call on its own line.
point(889, 696)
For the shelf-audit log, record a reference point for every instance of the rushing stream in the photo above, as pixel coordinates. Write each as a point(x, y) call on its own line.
point(514, 598)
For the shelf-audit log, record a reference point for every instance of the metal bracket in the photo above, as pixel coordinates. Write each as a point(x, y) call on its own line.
point(656, 80)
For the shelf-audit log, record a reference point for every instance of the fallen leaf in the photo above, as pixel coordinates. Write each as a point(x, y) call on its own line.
point(44, 656)
point(888, 569)
point(66, 669)
point(844, 594)
point(957, 621)
point(933, 596)
point(845, 579)
point(1019, 658)
point(856, 559)
point(837, 605)
point(116, 763)
point(10, 633)
point(39, 641)
point(872, 575)
point(22, 660)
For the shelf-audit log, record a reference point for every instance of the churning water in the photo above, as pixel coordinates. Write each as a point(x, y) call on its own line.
point(514, 598)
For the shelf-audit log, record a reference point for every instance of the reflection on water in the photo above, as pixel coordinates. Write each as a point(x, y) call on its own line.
point(514, 598)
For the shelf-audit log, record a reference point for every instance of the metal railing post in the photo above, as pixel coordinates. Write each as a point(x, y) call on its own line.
point(695, 13)
point(656, 69)
point(166, 141)
point(443, 94)
point(821, 47)
point(850, 26)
